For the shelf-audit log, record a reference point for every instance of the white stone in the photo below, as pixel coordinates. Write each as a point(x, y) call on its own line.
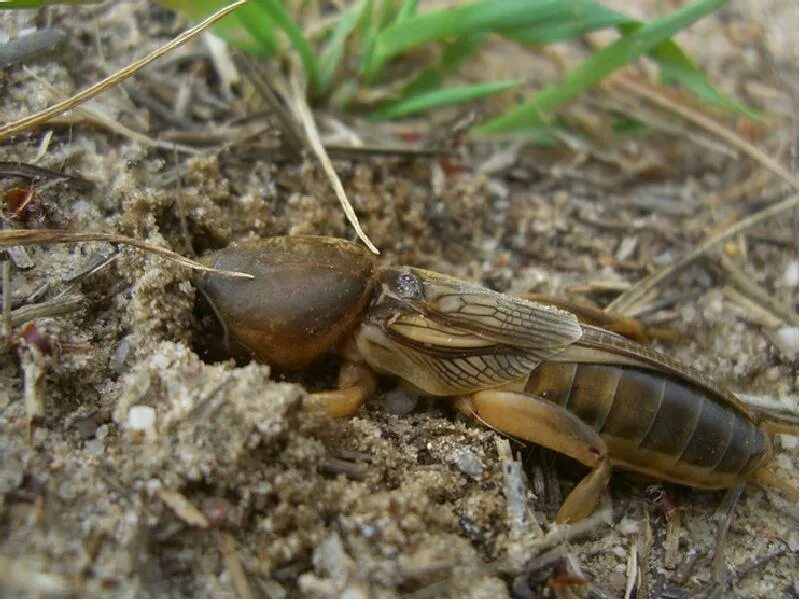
point(95, 447)
point(628, 527)
point(101, 432)
point(141, 418)
point(790, 275)
point(787, 340)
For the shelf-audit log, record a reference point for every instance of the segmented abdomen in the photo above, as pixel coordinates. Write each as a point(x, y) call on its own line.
point(657, 424)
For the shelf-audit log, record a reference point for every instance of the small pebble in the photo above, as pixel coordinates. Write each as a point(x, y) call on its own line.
point(787, 340)
point(101, 432)
point(469, 463)
point(85, 427)
point(790, 275)
point(628, 527)
point(118, 361)
point(399, 401)
point(141, 418)
point(792, 541)
point(95, 447)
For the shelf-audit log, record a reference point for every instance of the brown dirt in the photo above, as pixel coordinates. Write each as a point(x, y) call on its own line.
point(231, 487)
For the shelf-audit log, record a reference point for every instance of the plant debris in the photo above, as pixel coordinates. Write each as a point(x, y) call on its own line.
point(135, 463)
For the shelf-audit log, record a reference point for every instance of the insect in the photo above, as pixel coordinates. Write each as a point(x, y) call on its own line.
point(529, 370)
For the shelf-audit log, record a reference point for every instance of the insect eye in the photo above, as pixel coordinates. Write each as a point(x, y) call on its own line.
point(409, 286)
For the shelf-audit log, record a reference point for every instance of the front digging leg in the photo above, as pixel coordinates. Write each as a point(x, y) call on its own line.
point(356, 383)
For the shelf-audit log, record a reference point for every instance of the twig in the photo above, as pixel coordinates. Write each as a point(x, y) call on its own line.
point(724, 517)
point(565, 533)
point(771, 404)
point(18, 575)
point(24, 123)
point(522, 522)
point(628, 301)
point(288, 126)
point(233, 562)
point(632, 566)
point(6, 304)
point(303, 114)
point(743, 570)
point(656, 96)
point(187, 240)
point(336, 466)
point(755, 292)
point(751, 310)
point(112, 125)
point(34, 173)
point(32, 361)
point(52, 308)
point(622, 104)
point(644, 545)
point(25, 237)
point(183, 508)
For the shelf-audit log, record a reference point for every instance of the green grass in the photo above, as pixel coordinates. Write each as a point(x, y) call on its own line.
point(371, 44)
point(41, 3)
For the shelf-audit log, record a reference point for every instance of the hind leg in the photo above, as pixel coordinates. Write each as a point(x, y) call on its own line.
point(542, 422)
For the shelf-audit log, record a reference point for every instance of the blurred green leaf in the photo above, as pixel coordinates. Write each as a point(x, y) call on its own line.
point(584, 19)
point(407, 10)
point(437, 98)
point(484, 16)
point(278, 14)
point(597, 67)
point(234, 28)
point(41, 3)
point(454, 55)
point(332, 55)
point(678, 68)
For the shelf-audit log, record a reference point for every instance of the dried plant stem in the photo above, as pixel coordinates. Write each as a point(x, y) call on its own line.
point(657, 97)
point(627, 302)
point(6, 304)
point(292, 133)
point(233, 562)
point(25, 237)
point(52, 308)
point(21, 125)
point(303, 114)
point(756, 293)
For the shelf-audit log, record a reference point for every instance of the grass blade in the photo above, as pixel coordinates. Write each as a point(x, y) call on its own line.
point(597, 67)
point(257, 23)
point(407, 10)
point(387, 12)
point(278, 14)
point(454, 55)
point(437, 98)
point(678, 68)
point(484, 16)
point(674, 64)
point(332, 54)
point(41, 3)
point(590, 17)
point(248, 29)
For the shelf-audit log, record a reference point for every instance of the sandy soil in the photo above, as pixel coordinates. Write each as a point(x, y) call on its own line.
point(132, 465)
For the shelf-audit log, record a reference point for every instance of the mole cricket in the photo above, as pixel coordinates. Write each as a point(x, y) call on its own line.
point(526, 369)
